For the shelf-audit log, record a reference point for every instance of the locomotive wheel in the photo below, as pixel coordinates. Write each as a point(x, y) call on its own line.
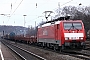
point(54, 47)
point(83, 47)
point(62, 48)
point(43, 45)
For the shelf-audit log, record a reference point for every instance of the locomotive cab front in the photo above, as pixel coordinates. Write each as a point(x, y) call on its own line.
point(74, 34)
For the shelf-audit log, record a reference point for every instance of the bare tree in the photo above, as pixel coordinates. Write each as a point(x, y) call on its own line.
point(78, 13)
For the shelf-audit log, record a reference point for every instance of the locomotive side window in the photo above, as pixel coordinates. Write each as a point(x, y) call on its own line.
point(74, 25)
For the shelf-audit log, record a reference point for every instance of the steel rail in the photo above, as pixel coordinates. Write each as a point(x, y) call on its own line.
point(14, 51)
point(35, 55)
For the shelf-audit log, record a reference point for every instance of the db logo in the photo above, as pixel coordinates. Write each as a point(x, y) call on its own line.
point(45, 32)
point(73, 31)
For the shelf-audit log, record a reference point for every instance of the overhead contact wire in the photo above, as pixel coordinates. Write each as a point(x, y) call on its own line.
point(15, 10)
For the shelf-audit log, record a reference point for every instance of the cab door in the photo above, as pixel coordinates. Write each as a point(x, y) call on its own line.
point(57, 32)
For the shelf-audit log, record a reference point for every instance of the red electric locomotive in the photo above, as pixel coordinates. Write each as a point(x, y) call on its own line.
point(62, 34)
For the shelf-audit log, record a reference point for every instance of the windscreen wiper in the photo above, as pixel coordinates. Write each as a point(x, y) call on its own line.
point(70, 27)
point(73, 28)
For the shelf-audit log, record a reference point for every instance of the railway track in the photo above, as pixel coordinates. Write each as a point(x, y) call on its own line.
point(83, 54)
point(23, 54)
point(8, 54)
point(77, 54)
point(49, 54)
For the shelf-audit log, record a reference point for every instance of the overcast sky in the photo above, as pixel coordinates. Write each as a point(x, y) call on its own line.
point(18, 8)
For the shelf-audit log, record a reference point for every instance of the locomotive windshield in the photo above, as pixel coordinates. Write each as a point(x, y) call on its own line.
point(74, 25)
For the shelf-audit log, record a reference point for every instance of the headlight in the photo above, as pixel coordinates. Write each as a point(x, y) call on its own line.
point(81, 38)
point(66, 38)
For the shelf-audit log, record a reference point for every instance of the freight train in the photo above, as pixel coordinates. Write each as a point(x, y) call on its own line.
point(57, 34)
